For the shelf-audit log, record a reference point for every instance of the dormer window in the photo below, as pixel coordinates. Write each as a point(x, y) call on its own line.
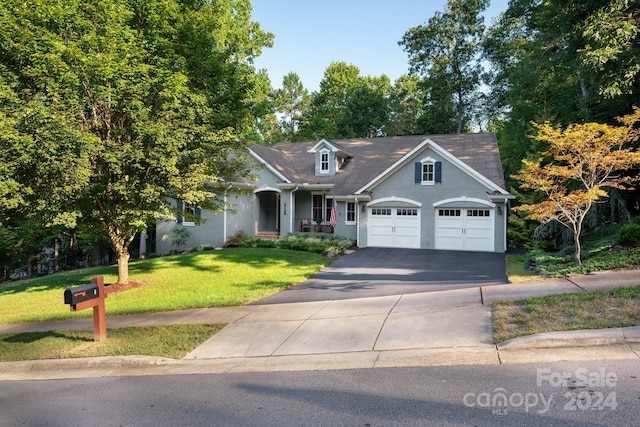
point(324, 162)
point(330, 157)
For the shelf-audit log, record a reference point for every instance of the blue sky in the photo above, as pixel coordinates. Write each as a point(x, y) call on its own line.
point(310, 34)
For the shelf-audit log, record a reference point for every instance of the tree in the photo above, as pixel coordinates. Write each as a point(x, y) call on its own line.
point(118, 106)
point(583, 161)
point(563, 62)
point(365, 113)
point(446, 50)
point(612, 46)
point(292, 101)
point(406, 106)
point(328, 104)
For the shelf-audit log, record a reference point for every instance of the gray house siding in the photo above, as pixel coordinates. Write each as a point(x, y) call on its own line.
point(208, 234)
point(243, 215)
point(464, 195)
point(455, 184)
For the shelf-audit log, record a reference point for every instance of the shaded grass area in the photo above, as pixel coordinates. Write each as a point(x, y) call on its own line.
point(590, 310)
point(195, 280)
point(172, 341)
point(598, 259)
point(516, 270)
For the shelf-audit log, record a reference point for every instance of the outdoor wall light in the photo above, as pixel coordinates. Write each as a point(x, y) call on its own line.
point(499, 210)
point(363, 208)
point(285, 208)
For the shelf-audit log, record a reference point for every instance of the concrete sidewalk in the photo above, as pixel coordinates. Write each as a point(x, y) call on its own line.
point(434, 328)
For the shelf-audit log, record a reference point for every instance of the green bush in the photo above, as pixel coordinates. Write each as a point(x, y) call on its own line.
point(236, 240)
point(301, 242)
point(629, 234)
point(557, 264)
point(256, 242)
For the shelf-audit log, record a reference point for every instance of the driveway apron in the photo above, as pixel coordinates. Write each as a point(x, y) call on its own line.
point(373, 272)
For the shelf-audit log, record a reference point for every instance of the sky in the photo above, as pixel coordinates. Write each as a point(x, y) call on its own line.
point(310, 34)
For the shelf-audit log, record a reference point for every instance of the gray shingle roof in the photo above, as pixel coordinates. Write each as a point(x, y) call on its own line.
point(372, 156)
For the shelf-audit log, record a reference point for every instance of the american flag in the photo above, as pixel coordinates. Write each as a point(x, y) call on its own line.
point(334, 213)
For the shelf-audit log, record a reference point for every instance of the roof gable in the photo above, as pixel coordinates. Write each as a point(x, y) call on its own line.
point(374, 158)
point(413, 154)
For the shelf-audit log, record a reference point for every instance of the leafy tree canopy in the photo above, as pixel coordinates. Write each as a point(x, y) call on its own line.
point(446, 50)
point(582, 162)
point(110, 107)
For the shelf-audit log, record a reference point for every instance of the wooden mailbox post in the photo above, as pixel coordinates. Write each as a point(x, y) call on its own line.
point(91, 295)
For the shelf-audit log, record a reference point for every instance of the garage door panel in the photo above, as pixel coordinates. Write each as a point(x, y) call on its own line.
point(407, 236)
point(476, 243)
point(380, 235)
point(398, 228)
point(472, 230)
point(449, 242)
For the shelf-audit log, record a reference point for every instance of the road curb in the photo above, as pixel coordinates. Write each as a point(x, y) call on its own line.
point(580, 338)
point(617, 343)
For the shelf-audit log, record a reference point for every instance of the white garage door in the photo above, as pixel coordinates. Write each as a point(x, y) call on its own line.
point(464, 229)
point(394, 228)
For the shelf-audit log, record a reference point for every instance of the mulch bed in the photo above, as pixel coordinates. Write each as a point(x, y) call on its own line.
point(117, 288)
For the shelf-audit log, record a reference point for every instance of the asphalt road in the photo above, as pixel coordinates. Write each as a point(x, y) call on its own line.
point(371, 272)
point(594, 393)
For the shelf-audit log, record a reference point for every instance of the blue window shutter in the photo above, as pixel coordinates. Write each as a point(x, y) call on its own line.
point(418, 166)
point(438, 172)
point(197, 211)
point(180, 207)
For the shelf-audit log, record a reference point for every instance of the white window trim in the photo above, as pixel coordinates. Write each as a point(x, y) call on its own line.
point(324, 207)
point(185, 208)
point(355, 213)
point(428, 161)
point(324, 152)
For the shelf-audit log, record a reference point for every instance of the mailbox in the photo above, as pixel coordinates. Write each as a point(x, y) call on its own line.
point(82, 293)
point(91, 295)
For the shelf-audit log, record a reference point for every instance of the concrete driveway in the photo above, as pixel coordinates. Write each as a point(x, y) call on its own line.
point(373, 272)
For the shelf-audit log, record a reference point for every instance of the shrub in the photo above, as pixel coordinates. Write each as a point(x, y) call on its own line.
point(629, 234)
point(255, 242)
point(302, 242)
point(236, 240)
point(178, 236)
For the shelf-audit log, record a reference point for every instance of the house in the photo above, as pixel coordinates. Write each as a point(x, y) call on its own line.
point(430, 192)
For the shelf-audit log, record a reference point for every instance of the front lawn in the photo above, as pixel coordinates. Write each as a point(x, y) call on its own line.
point(590, 310)
point(517, 272)
point(172, 341)
point(227, 277)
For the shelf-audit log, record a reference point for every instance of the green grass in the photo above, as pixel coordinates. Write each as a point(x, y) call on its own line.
point(599, 252)
point(560, 264)
point(589, 310)
point(172, 341)
point(517, 272)
point(200, 279)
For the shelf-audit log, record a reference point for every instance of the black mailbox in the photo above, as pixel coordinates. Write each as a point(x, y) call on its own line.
point(82, 293)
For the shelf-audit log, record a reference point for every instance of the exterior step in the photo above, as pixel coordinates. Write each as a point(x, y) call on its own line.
point(268, 235)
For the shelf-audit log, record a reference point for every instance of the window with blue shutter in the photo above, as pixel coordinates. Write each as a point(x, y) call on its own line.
point(184, 210)
point(180, 208)
point(428, 171)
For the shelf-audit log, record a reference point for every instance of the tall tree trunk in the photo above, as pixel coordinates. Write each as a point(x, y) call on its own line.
point(577, 259)
point(123, 266)
point(459, 112)
point(120, 244)
point(56, 254)
point(577, 229)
